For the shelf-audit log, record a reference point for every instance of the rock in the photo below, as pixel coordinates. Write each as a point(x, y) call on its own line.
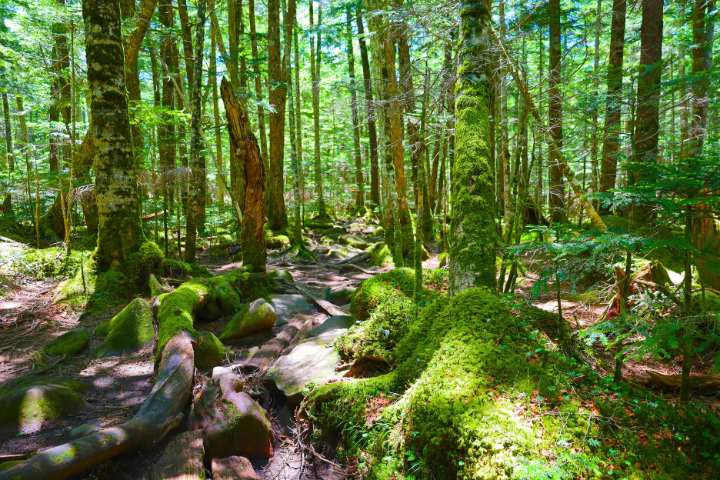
point(234, 424)
point(342, 296)
point(217, 372)
point(209, 351)
point(313, 360)
point(130, 329)
point(332, 328)
point(69, 343)
point(338, 251)
point(281, 275)
point(252, 318)
point(277, 241)
point(233, 468)
point(335, 230)
point(353, 241)
point(287, 306)
point(345, 269)
point(182, 458)
point(83, 431)
point(29, 403)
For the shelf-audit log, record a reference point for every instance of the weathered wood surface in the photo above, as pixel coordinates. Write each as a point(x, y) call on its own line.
point(704, 382)
point(294, 333)
point(324, 305)
point(161, 412)
point(233, 468)
point(182, 458)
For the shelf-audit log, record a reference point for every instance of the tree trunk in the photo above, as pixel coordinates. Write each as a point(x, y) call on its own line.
point(60, 92)
point(194, 191)
point(472, 250)
point(596, 93)
point(613, 126)
point(243, 141)
point(166, 131)
point(258, 81)
point(360, 186)
point(647, 121)
point(132, 44)
point(557, 186)
point(212, 78)
point(372, 130)
point(315, 76)
point(120, 234)
point(8, 133)
point(297, 231)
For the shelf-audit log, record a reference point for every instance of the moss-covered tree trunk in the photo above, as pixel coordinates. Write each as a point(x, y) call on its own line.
point(472, 249)
point(166, 130)
point(120, 233)
point(245, 145)
point(258, 80)
point(194, 193)
point(360, 186)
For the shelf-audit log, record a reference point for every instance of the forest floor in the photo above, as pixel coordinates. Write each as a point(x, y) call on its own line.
point(29, 318)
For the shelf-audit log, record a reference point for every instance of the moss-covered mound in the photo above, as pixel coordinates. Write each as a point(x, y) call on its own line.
point(130, 329)
point(380, 254)
point(28, 403)
point(210, 351)
point(252, 318)
point(476, 396)
point(69, 343)
point(374, 291)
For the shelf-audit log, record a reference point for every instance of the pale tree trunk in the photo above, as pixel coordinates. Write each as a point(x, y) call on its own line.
point(297, 231)
point(59, 91)
point(596, 93)
point(8, 133)
point(472, 249)
point(372, 129)
point(315, 76)
point(298, 120)
point(212, 78)
point(194, 191)
point(504, 163)
point(557, 186)
point(613, 126)
point(258, 81)
point(121, 241)
point(359, 184)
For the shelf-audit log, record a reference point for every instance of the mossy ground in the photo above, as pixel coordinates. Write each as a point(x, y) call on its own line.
point(477, 395)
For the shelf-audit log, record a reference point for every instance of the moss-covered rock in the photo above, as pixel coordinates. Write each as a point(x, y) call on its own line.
point(252, 318)
point(353, 241)
point(209, 351)
point(380, 288)
point(69, 343)
point(342, 296)
point(175, 268)
point(28, 404)
point(380, 254)
point(281, 275)
point(276, 242)
point(443, 259)
point(130, 329)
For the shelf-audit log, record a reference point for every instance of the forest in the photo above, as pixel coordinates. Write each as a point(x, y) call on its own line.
point(366, 239)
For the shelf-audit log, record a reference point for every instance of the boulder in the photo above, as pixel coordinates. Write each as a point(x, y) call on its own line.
point(227, 299)
point(130, 329)
point(287, 306)
point(233, 468)
point(332, 328)
point(313, 360)
point(281, 275)
point(335, 230)
point(252, 318)
point(338, 251)
point(342, 296)
point(69, 343)
point(353, 241)
point(29, 403)
point(209, 351)
point(234, 424)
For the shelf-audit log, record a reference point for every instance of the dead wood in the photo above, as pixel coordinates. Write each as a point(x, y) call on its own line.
point(323, 305)
point(161, 412)
point(709, 381)
point(293, 334)
point(182, 459)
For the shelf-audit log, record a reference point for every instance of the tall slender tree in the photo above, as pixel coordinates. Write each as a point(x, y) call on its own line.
point(557, 186)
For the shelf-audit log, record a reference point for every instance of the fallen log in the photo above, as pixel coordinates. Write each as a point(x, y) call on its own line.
point(294, 333)
point(709, 381)
point(161, 412)
point(323, 305)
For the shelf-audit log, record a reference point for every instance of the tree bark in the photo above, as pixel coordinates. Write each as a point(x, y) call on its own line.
point(120, 234)
point(557, 186)
point(647, 121)
point(359, 184)
point(243, 141)
point(315, 76)
point(194, 191)
point(258, 80)
point(59, 91)
point(613, 127)
point(472, 252)
point(166, 131)
point(212, 78)
point(372, 129)
point(8, 133)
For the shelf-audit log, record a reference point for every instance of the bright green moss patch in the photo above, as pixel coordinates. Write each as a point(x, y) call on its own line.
point(380, 254)
point(210, 351)
point(175, 268)
point(130, 329)
point(374, 291)
point(28, 403)
point(69, 343)
point(476, 395)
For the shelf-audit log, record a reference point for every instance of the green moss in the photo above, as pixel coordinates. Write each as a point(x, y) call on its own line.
point(175, 268)
point(7, 465)
point(130, 329)
point(28, 403)
point(475, 395)
point(276, 241)
point(209, 351)
point(380, 254)
point(380, 288)
point(443, 259)
point(69, 343)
